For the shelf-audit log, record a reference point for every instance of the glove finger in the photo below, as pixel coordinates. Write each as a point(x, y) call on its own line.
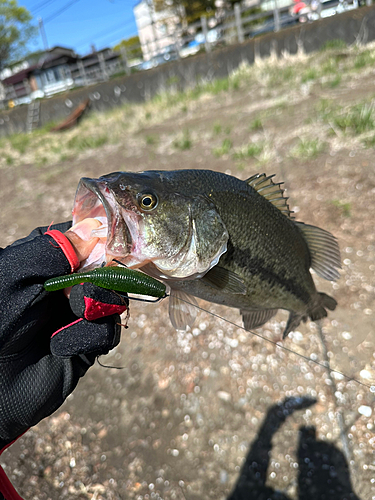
point(92, 302)
point(87, 337)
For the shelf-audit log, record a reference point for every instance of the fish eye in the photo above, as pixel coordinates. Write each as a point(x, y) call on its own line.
point(147, 201)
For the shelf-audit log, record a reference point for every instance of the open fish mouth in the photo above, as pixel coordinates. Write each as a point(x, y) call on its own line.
point(94, 199)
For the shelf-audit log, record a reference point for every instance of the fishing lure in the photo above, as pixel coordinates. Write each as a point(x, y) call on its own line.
point(120, 279)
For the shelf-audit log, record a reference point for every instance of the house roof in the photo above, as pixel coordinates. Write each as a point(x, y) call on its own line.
point(20, 76)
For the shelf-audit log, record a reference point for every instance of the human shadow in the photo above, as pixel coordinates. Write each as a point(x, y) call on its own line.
point(323, 472)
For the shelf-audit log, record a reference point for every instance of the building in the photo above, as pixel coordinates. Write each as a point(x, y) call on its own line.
point(56, 70)
point(156, 29)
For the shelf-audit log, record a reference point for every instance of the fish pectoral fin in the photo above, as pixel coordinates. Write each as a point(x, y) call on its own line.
point(225, 280)
point(324, 251)
point(255, 319)
point(182, 309)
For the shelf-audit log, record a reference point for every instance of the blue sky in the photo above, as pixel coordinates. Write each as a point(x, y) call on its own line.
point(82, 22)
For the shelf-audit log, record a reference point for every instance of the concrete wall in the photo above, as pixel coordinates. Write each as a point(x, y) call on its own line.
point(355, 25)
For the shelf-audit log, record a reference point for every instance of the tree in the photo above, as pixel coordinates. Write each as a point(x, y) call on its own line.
point(15, 31)
point(187, 10)
point(132, 46)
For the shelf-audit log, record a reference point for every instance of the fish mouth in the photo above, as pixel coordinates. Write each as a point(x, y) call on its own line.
point(94, 199)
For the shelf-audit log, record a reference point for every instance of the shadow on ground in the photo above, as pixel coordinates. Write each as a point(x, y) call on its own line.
point(323, 469)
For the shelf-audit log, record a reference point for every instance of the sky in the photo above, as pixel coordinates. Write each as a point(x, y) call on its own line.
point(79, 23)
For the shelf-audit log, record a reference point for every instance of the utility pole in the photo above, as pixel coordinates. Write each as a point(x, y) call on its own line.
point(43, 33)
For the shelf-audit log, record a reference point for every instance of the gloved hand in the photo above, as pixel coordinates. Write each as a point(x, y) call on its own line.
point(47, 342)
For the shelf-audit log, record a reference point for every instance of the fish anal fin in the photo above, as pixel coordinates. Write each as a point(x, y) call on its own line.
point(182, 309)
point(255, 319)
point(225, 280)
point(270, 190)
point(324, 251)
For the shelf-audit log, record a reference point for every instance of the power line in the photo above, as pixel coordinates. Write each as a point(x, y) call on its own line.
point(109, 30)
point(40, 6)
point(60, 11)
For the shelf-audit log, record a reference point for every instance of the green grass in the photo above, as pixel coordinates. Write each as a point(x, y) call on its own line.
point(307, 148)
point(365, 58)
point(224, 149)
point(309, 74)
point(19, 142)
point(184, 142)
point(256, 124)
point(336, 44)
point(82, 143)
point(249, 151)
point(350, 120)
point(335, 82)
point(152, 139)
point(345, 208)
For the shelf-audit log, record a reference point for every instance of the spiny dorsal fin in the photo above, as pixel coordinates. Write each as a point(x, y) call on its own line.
point(272, 192)
point(324, 251)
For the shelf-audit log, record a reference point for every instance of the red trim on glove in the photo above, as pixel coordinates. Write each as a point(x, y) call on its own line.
point(95, 309)
point(66, 247)
point(66, 326)
point(6, 487)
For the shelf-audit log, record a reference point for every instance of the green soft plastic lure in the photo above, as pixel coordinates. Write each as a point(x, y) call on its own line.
point(120, 279)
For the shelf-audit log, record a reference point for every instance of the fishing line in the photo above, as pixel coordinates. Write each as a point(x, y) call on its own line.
point(306, 358)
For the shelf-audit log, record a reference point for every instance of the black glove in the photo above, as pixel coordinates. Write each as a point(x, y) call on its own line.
point(38, 372)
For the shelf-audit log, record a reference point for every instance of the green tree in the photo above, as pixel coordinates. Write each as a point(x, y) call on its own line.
point(132, 46)
point(16, 31)
point(187, 10)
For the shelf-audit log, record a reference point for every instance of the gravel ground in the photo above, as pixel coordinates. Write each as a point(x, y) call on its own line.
point(217, 411)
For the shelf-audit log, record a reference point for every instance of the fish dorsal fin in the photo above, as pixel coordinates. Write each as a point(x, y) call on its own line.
point(255, 319)
point(182, 309)
point(225, 280)
point(324, 251)
point(270, 190)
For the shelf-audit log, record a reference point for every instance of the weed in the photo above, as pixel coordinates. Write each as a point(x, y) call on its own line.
point(336, 44)
point(9, 160)
point(19, 142)
point(369, 142)
point(184, 142)
point(82, 143)
point(334, 82)
point(365, 58)
point(310, 74)
point(307, 148)
point(249, 151)
point(152, 139)
point(357, 119)
point(64, 157)
point(42, 161)
point(217, 128)
point(346, 208)
point(173, 80)
point(224, 149)
point(256, 125)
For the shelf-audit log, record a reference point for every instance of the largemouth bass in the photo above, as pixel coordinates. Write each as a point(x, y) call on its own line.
point(210, 235)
